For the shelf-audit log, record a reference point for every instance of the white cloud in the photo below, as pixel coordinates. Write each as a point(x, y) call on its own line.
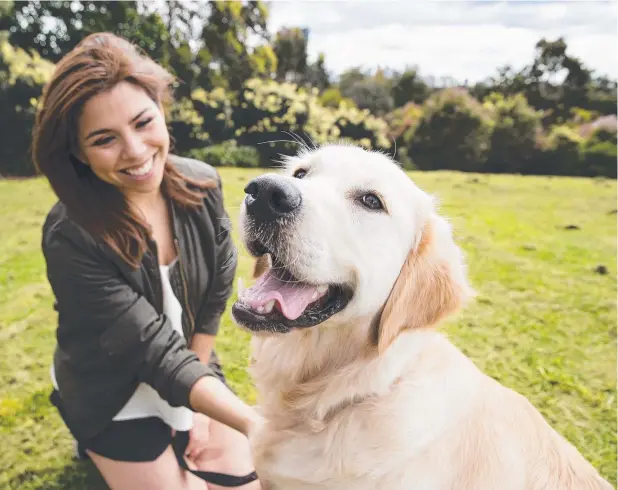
point(464, 40)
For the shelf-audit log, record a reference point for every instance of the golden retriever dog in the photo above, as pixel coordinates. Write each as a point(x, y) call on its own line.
point(358, 389)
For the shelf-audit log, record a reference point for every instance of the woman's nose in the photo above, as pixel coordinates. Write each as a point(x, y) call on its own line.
point(134, 146)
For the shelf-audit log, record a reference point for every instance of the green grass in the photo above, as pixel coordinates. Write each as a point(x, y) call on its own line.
point(544, 322)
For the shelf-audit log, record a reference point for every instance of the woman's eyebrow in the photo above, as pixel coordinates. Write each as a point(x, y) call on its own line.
point(104, 130)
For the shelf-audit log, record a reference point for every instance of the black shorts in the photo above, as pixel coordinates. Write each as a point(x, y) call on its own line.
point(136, 440)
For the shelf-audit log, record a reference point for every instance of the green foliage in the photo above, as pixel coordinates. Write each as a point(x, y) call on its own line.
point(560, 152)
point(290, 46)
point(331, 97)
point(512, 144)
point(409, 87)
point(225, 34)
point(21, 80)
point(30, 26)
point(227, 154)
point(266, 112)
point(316, 74)
point(454, 133)
point(186, 125)
point(371, 94)
point(599, 156)
point(403, 121)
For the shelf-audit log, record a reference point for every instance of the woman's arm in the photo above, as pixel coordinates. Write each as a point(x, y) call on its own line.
point(202, 344)
point(212, 398)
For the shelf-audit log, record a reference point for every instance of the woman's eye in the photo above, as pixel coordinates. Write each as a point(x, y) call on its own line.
point(371, 201)
point(143, 123)
point(300, 173)
point(103, 141)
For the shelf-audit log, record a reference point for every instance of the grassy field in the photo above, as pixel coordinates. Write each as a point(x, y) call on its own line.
point(544, 322)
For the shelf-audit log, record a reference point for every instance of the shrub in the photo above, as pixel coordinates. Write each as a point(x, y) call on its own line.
point(454, 133)
point(227, 154)
point(331, 97)
point(599, 153)
point(512, 143)
point(185, 125)
point(403, 121)
point(265, 115)
point(559, 152)
point(22, 77)
point(600, 159)
point(216, 110)
point(371, 94)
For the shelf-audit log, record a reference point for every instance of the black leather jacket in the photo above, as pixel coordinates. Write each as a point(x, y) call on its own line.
point(111, 332)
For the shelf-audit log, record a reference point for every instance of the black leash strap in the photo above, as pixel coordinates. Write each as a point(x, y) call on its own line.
point(180, 442)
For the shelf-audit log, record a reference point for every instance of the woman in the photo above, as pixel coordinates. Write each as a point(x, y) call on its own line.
point(141, 262)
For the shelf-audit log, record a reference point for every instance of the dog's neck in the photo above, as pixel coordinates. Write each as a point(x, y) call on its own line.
point(312, 374)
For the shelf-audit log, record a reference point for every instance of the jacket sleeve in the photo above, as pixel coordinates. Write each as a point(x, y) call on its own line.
point(226, 257)
point(101, 313)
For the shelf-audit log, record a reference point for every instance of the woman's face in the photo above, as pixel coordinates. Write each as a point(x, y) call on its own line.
point(123, 138)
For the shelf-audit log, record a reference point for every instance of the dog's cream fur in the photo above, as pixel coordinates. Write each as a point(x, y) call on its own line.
point(375, 398)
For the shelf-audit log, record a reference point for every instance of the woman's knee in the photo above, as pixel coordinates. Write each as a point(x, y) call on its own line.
point(228, 452)
point(161, 474)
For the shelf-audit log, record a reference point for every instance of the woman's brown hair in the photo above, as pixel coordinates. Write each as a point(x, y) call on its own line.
point(97, 64)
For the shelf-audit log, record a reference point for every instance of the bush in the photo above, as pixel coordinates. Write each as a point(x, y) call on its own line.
point(600, 159)
point(512, 143)
point(559, 152)
point(402, 123)
point(22, 77)
point(227, 154)
point(454, 133)
point(371, 94)
point(185, 125)
point(599, 153)
point(265, 114)
point(331, 97)
point(216, 110)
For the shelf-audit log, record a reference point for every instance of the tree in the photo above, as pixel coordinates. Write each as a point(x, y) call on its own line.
point(513, 139)
point(409, 87)
point(225, 35)
point(454, 133)
point(53, 28)
point(316, 75)
point(556, 81)
point(291, 49)
point(349, 78)
point(371, 94)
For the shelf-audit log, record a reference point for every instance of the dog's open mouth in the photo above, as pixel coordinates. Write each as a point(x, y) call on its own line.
point(279, 302)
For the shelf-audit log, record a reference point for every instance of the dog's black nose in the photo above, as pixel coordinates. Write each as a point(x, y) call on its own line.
point(271, 197)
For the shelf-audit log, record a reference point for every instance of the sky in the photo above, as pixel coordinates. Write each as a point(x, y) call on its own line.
point(465, 40)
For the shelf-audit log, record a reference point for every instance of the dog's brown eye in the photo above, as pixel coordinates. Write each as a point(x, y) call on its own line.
point(371, 201)
point(300, 173)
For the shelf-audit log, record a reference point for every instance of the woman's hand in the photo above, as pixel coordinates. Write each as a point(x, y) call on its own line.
point(211, 397)
point(199, 436)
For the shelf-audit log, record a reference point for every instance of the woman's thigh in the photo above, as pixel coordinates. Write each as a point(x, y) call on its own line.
point(163, 473)
point(227, 452)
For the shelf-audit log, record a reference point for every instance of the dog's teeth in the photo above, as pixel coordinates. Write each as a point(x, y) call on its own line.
point(260, 309)
point(268, 307)
point(314, 295)
point(241, 287)
point(322, 289)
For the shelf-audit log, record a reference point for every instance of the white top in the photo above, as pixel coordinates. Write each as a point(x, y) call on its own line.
point(145, 401)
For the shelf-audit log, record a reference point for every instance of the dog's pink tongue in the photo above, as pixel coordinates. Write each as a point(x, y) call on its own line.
point(293, 297)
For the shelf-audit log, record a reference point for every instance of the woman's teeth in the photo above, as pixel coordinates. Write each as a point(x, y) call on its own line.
point(142, 170)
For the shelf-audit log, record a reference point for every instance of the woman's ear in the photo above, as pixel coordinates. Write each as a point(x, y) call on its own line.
point(432, 284)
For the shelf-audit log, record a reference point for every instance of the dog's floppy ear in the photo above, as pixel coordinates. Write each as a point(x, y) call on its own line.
point(431, 285)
